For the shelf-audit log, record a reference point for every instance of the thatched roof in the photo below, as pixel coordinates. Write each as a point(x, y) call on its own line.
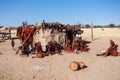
point(38, 25)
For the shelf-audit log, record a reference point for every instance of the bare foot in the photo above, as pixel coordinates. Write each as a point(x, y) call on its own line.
point(118, 53)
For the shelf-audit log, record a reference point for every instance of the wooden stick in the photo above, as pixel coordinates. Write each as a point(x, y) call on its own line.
point(23, 43)
point(92, 31)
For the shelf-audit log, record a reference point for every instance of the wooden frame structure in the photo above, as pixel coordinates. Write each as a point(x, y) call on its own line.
point(4, 34)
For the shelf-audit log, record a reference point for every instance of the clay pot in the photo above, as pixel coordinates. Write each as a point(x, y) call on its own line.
point(74, 66)
point(81, 64)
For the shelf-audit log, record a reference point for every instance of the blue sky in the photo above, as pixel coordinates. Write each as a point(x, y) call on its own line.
point(100, 12)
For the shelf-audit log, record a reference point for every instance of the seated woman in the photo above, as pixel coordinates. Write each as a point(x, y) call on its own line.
point(50, 48)
point(83, 46)
point(58, 48)
point(76, 46)
point(112, 50)
point(47, 51)
point(68, 46)
point(39, 51)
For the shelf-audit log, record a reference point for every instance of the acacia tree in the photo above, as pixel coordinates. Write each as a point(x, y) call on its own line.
point(111, 25)
point(87, 26)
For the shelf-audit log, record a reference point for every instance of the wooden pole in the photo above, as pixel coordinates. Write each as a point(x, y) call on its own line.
point(10, 33)
point(92, 31)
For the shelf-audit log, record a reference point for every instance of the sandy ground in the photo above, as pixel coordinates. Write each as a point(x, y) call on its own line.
point(100, 33)
point(56, 67)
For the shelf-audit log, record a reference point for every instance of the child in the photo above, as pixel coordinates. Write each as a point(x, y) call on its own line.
point(12, 43)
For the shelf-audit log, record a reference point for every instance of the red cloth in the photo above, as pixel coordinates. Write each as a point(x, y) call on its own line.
point(25, 33)
point(32, 30)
